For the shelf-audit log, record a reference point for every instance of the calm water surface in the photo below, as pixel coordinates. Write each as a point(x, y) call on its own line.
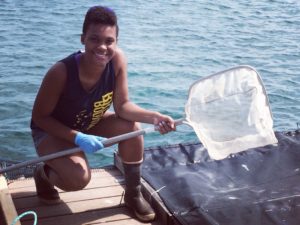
point(169, 45)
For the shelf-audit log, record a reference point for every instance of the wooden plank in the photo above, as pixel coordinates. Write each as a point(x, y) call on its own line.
point(8, 210)
point(129, 222)
point(67, 197)
point(117, 216)
point(75, 207)
point(96, 173)
point(99, 182)
point(90, 217)
point(21, 183)
point(101, 202)
point(111, 171)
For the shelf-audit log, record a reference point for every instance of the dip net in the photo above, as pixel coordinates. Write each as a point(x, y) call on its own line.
point(230, 112)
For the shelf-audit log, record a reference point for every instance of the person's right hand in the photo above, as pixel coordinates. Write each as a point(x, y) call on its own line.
point(164, 123)
point(89, 143)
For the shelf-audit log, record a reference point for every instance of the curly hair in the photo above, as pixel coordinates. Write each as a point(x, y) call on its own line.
point(100, 15)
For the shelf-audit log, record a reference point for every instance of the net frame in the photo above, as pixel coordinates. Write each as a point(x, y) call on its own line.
point(218, 85)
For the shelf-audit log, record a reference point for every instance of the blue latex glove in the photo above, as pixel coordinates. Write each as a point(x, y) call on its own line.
point(89, 143)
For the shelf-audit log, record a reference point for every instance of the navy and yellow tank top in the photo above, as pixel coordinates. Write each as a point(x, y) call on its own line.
point(80, 109)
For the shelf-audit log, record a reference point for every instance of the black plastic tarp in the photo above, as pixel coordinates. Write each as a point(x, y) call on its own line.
point(258, 186)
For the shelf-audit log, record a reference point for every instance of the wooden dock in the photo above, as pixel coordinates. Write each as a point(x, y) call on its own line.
point(101, 202)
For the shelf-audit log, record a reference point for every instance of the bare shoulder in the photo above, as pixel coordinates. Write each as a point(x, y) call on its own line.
point(119, 61)
point(55, 78)
point(57, 72)
point(50, 90)
point(119, 54)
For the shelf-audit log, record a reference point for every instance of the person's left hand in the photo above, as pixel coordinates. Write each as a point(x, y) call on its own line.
point(164, 123)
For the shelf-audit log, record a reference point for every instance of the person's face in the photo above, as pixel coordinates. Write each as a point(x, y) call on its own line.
point(100, 43)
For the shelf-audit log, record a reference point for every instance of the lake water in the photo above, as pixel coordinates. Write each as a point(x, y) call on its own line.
point(169, 45)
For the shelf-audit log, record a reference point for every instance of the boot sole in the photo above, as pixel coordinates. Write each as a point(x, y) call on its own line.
point(142, 218)
point(145, 218)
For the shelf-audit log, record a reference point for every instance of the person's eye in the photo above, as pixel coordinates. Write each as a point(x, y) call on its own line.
point(93, 39)
point(110, 41)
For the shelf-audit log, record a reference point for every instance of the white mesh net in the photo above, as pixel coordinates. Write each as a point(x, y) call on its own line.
point(230, 112)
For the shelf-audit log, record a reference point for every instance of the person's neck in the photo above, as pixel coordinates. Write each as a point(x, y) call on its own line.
point(89, 69)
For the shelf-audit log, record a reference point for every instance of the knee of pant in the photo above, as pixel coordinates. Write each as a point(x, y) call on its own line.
point(77, 182)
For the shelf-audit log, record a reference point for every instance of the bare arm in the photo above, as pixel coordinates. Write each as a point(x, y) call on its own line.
point(128, 110)
point(46, 100)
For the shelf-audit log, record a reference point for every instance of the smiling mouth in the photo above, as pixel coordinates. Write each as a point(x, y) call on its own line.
point(100, 54)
